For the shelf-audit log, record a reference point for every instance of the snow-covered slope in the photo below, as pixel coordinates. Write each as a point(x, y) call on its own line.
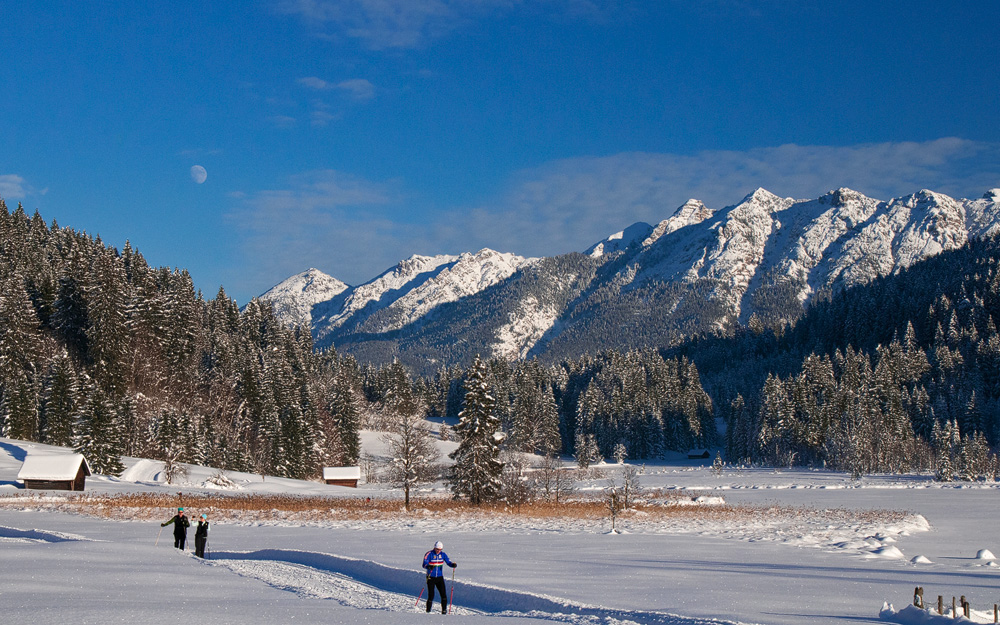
point(469, 274)
point(619, 241)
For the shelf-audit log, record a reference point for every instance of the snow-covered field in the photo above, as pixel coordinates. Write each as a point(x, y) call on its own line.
point(812, 552)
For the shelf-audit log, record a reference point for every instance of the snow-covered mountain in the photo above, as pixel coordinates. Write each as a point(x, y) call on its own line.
point(411, 290)
point(295, 297)
point(698, 269)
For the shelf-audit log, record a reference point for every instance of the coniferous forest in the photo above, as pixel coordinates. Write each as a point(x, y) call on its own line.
point(101, 352)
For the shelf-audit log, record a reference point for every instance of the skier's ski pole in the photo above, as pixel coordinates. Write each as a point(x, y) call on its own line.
point(158, 536)
point(451, 602)
point(418, 597)
point(208, 548)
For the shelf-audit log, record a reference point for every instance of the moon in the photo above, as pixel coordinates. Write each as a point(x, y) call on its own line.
point(198, 174)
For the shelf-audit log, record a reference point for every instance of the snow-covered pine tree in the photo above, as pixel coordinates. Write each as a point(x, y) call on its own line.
point(20, 350)
point(587, 450)
point(99, 438)
point(547, 438)
point(620, 453)
point(477, 469)
point(107, 330)
point(59, 401)
point(740, 431)
point(941, 438)
point(534, 418)
point(18, 409)
point(69, 310)
point(343, 406)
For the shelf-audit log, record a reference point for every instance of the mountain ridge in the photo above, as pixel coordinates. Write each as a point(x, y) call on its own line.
point(762, 259)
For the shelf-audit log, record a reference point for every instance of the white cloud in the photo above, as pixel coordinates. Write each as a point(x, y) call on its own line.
point(199, 152)
point(358, 88)
point(388, 24)
point(320, 117)
point(315, 83)
point(567, 205)
point(12, 186)
point(354, 229)
point(322, 218)
point(282, 121)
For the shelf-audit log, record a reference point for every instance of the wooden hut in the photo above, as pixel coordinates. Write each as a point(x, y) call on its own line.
point(54, 471)
point(342, 476)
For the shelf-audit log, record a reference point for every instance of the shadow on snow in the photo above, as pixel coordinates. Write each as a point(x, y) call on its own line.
point(476, 597)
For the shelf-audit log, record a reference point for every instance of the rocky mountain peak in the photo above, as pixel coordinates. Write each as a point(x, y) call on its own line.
point(294, 297)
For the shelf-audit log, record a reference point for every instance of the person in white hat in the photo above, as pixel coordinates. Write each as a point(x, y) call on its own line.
point(434, 561)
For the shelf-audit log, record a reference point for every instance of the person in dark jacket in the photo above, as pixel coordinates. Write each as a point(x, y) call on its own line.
point(201, 536)
point(181, 524)
point(434, 561)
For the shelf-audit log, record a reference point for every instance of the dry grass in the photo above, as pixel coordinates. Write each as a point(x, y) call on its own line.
point(305, 509)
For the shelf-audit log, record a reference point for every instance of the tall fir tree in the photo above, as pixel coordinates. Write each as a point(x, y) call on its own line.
point(344, 410)
point(20, 351)
point(107, 330)
point(59, 402)
point(99, 438)
point(477, 471)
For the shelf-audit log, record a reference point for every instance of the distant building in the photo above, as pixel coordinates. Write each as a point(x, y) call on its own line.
point(698, 454)
point(342, 476)
point(54, 472)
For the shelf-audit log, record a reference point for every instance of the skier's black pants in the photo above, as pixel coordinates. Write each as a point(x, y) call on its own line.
point(432, 583)
point(179, 540)
point(199, 545)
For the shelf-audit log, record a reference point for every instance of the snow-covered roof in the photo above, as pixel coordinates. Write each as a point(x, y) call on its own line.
point(341, 473)
point(52, 467)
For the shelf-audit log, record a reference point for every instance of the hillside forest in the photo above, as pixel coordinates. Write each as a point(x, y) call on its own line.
point(103, 353)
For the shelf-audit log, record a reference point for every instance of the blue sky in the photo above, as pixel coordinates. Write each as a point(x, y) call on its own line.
point(349, 134)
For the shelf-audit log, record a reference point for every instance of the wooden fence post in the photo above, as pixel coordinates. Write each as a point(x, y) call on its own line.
point(954, 608)
point(918, 596)
point(996, 613)
point(940, 604)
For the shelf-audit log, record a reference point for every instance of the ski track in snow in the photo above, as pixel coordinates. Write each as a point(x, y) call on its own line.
point(368, 585)
point(12, 534)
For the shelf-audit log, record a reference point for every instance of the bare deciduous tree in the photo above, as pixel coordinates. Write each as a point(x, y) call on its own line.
point(554, 480)
point(414, 455)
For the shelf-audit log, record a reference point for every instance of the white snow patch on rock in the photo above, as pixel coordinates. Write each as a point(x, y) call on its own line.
point(524, 328)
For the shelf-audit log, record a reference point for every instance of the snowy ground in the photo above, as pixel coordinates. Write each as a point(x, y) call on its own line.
point(828, 561)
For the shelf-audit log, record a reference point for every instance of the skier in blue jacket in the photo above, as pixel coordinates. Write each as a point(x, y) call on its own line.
point(434, 561)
